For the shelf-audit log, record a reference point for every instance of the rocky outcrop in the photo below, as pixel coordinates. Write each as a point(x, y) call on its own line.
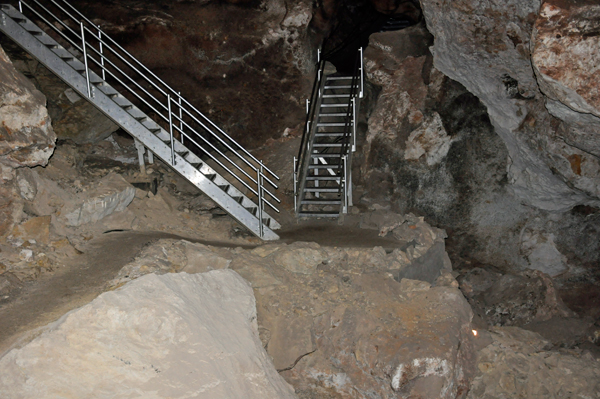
point(193, 335)
point(486, 47)
point(348, 322)
point(565, 53)
point(26, 137)
point(517, 363)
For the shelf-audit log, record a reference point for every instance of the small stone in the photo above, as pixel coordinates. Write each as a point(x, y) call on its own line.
point(26, 255)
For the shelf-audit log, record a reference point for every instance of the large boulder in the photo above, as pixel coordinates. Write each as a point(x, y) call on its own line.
point(26, 137)
point(158, 337)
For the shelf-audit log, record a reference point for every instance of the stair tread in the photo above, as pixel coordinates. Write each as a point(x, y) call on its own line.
point(319, 214)
point(321, 202)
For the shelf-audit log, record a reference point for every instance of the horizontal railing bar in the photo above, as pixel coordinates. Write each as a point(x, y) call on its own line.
point(216, 149)
point(231, 149)
point(54, 27)
point(255, 192)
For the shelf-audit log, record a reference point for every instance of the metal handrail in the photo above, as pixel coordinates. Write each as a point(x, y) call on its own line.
point(173, 92)
point(186, 109)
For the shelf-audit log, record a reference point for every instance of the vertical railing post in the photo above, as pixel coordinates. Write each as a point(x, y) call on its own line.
point(171, 131)
point(260, 200)
point(20, 7)
point(360, 95)
point(345, 188)
point(85, 60)
point(101, 53)
point(295, 184)
point(307, 106)
point(353, 124)
point(318, 55)
point(180, 118)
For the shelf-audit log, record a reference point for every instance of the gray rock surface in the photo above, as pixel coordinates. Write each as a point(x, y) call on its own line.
point(517, 364)
point(112, 194)
point(175, 335)
point(485, 45)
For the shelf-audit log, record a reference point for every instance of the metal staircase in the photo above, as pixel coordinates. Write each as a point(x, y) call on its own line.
point(322, 170)
point(127, 92)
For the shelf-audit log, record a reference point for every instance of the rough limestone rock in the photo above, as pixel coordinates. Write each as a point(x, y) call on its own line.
point(518, 364)
point(73, 118)
point(511, 299)
point(485, 45)
point(158, 337)
point(26, 137)
point(565, 53)
point(112, 194)
point(347, 323)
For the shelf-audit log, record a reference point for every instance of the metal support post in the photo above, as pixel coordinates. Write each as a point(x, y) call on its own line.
point(101, 53)
point(318, 55)
point(180, 118)
point(260, 200)
point(171, 131)
point(362, 79)
point(353, 124)
point(140, 149)
point(295, 184)
point(307, 106)
point(345, 192)
point(85, 61)
point(20, 7)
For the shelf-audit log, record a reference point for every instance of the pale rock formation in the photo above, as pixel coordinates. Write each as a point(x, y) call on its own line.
point(158, 337)
point(112, 194)
point(73, 118)
point(26, 137)
point(486, 47)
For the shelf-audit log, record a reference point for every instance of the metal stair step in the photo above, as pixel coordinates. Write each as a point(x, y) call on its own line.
point(336, 95)
point(330, 134)
point(339, 87)
point(318, 215)
point(321, 166)
point(327, 145)
point(338, 78)
point(323, 178)
point(334, 105)
point(321, 202)
point(317, 155)
point(332, 124)
point(321, 190)
point(333, 114)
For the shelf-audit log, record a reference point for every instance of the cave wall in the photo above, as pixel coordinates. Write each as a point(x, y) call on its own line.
point(458, 131)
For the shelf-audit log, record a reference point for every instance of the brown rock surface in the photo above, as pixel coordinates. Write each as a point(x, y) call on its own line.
point(26, 137)
point(565, 53)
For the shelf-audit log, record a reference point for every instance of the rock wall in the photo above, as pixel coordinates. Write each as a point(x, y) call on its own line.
point(487, 47)
point(157, 337)
point(26, 137)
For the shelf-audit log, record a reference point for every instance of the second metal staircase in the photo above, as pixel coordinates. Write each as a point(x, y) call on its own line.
point(105, 74)
point(323, 168)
